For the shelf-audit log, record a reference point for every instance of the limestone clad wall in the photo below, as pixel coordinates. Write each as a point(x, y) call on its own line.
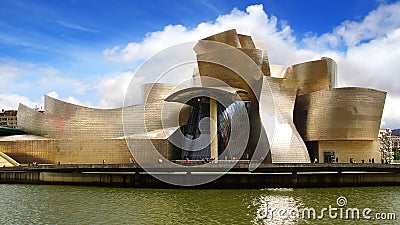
point(344, 150)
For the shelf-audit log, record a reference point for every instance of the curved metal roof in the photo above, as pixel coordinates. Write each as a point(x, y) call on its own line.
point(221, 94)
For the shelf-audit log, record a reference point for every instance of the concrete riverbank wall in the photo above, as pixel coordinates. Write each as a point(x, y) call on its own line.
point(272, 176)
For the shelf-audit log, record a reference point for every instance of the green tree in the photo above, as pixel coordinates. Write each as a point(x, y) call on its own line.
point(396, 153)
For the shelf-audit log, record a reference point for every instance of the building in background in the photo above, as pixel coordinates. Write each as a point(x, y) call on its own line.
point(8, 118)
point(386, 145)
point(396, 142)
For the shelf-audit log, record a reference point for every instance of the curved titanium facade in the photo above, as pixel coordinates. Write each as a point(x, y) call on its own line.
point(340, 114)
point(229, 38)
point(211, 64)
point(239, 67)
point(265, 67)
point(77, 134)
point(221, 94)
point(286, 143)
point(153, 92)
point(313, 76)
point(65, 120)
point(246, 41)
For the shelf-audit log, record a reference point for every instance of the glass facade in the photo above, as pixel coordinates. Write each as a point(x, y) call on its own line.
point(197, 130)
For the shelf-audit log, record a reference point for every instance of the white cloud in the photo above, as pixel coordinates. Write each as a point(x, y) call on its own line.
point(112, 90)
point(254, 21)
point(390, 116)
point(374, 64)
point(29, 77)
point(21, 79)
point(280, 42)
point(376, 24)
point(11, 101)
point(8, 74)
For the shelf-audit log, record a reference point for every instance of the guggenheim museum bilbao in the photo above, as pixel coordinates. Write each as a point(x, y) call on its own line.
point(237, 106)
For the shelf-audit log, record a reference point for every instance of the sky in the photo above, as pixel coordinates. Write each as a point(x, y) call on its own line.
point(86, 51)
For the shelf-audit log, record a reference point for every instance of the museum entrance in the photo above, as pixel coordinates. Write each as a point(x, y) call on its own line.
point(199, 130)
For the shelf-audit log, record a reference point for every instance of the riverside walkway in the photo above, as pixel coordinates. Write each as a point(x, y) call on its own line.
point(239, 176)
point(220, 166)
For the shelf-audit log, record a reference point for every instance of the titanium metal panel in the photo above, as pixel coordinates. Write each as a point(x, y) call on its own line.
point(265, 67)
point(313, 76)
point(340, 114)
point(286, 143)
point(153, 92)
point(228, 37)
point(246, 41)
point(80, 134)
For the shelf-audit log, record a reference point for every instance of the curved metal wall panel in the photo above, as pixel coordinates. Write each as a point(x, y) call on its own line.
point(152, 92)
point(66, 120)
point(255, 54)
point(250, 80)
point(286, 144)
point(313, 76)
point(265, 67)
point(340, 114)
point(31, 121)
point(85, 135)
point(246, 41)
point(229, 37)
point(69, 121)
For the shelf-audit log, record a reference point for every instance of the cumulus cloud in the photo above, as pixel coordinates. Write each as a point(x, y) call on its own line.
point(21, 79)
point(253, 21)
point(112, 89)
point(29, 78)
point(377, 24)
point(11, 101)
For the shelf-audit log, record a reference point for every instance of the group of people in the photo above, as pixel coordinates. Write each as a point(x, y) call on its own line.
point(33, 164)
point(362, 161)
point(207, 160)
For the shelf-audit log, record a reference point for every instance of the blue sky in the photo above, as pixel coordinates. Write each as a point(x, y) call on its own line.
point(86, 51)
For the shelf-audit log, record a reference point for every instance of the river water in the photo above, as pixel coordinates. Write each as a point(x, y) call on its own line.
point(53, 204)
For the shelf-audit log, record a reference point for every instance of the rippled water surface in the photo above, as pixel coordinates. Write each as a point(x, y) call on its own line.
point(46, 204)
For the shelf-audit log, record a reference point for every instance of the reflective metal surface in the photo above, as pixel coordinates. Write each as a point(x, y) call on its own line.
point(340, 114)
point(313, 76)
point(286, 144)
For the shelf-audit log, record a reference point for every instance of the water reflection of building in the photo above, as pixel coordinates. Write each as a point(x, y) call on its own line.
point(311, 117)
